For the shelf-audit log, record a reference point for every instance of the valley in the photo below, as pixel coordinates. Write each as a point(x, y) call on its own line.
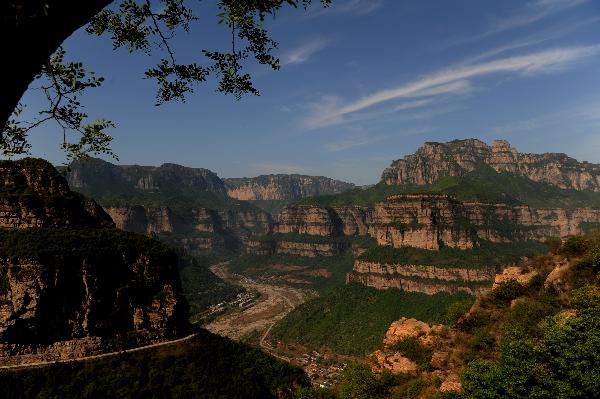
point(315, 279)
point(255, 319)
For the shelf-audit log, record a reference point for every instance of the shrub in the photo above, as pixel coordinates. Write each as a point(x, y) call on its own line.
point(476, 319)
point(359, 382)
point(553, 244)
point(507, 291)
point(482, 340)
point(457, 309)
point(411, 348)
point(574, 246)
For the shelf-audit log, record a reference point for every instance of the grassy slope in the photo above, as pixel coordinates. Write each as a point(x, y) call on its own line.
point(353, 319)
point(201, 287)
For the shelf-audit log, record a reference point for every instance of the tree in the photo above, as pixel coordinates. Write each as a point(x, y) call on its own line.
point(32, 31)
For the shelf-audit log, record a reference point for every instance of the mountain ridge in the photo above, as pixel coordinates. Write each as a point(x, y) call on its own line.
point(434, 160)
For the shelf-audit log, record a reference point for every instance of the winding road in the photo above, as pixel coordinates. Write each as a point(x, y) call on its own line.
point(99, 356)
point(274, 303)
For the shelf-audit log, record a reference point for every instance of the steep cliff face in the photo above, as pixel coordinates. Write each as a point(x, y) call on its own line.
point(188, 206)
point(70, 283)
point(422, 278)
point(432, 221)
point(34, 194)
point(94, 176)
point(197, 228)
point(284, 187)
point(296, 248)
point(456, 158)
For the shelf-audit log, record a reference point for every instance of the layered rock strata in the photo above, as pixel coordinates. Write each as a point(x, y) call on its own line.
point(284, 187)
point(71, 284)
point(34, 194)
point(295, 248)
point(456, 158)
point(431, 221)
point(422, 278)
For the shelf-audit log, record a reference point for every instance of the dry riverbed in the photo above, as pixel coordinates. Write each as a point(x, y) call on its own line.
point(273, 303)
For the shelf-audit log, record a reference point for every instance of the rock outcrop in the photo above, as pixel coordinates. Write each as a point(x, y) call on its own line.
point(70, 283)
point(422, 278)
point(456, 158)
point(283, 187)
point(34, 194)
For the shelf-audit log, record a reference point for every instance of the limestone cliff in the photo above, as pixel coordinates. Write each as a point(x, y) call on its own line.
point(422, 278)
point(432, 221)
point(456, 158)
point(283, 187)
point(187, 206)
point(95, 176)
point(34, 194)
point(70, 283)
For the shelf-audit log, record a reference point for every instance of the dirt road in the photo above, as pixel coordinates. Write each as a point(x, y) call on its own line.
point(273, 304)
point(99, 356)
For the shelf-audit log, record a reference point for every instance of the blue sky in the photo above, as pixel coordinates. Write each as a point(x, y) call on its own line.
point(363, 83)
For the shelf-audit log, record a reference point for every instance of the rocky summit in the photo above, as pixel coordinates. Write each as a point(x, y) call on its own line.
point(456, 158)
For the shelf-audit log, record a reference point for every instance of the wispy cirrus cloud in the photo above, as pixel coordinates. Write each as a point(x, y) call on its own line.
point(274, 167)
point(351, 142)
point(365, 139)
point(354, 7)
point(552, 33)
point(332, 110)
point(530, 13)
point(306, 50)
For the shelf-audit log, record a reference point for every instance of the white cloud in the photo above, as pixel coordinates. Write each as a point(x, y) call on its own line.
point(361, 140)
point(552, 33)
point(272, 167)
point(351, 142)
point(450, 81)
point(354, 7)
point(530, 13)
point(305, 51)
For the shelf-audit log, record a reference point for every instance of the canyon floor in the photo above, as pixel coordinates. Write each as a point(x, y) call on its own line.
point(272, 303)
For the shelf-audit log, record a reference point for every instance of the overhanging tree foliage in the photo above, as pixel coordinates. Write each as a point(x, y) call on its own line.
point(32, 31)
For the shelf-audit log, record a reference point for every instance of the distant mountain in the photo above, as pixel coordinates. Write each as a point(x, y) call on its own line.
point(458, 157)
point(283, 187)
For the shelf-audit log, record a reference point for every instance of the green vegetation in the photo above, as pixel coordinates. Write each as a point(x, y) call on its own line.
point(563, 361)
point(363, 241)
point(486, 255)
point(412, 348)
point(483, 184)
point(208, 366)
point(545, 344)
point(321, 273)
point(353, 319)
point(201, 287)
point(55, 244)
point(270, 206)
